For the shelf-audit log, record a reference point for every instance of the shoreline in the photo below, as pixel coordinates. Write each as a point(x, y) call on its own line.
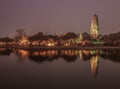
point(61, 47)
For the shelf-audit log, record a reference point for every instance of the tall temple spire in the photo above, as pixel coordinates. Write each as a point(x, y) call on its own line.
point(94, 27)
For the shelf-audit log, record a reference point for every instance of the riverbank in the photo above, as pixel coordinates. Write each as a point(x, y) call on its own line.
point(61, 47)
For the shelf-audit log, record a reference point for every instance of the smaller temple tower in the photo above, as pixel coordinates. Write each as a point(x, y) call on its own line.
point(94, 32)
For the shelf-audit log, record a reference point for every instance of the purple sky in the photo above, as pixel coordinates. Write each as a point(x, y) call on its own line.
point(58, 16)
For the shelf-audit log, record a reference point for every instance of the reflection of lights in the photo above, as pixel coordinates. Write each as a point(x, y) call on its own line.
point(65, 52)
point(2, 43)
point(80, 54)
point(69, 52)
point(96, 52)
point(23, 52)
point(101, 52)
point(86, 52)
point(94, 64)
point(52, 52)
point(36, 53)
point(2, 49)
point(43, 53)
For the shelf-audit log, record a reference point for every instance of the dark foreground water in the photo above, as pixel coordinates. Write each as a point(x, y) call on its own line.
point(59, 69)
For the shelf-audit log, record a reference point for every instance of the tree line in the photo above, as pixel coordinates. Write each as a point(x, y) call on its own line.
point(112, 39)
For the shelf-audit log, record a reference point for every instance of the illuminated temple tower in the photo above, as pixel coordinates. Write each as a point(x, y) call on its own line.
point(94, 27)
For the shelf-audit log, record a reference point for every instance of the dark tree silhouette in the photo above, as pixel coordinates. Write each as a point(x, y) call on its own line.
point(19, 34)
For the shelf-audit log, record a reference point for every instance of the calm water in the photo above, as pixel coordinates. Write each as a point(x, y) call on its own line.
point(59, 69)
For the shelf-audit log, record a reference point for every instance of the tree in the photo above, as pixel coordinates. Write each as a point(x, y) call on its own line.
point(86, 36)
point(19, 34)
point(69, 35)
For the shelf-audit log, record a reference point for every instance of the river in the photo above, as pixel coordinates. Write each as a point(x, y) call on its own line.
point(59, 69)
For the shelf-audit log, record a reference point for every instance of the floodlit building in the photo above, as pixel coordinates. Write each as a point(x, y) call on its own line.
point(79, 38)
point(24, 40)
point(94, 31)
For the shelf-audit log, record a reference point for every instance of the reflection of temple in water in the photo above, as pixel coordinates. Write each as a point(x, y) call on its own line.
point(80, 55)
point(93, 56)
point(43, 55)
point(5, 51)
point(40, 56)
point(112, 55)
point(94, 61)
point(22, 55)
point(50, 55)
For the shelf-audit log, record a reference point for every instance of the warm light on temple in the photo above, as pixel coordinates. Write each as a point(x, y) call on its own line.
point(51, 44)
point(24, 41)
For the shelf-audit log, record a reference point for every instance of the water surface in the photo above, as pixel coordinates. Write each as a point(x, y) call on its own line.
point(59, 69)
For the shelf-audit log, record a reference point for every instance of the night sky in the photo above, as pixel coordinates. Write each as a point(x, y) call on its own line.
point(58, 16)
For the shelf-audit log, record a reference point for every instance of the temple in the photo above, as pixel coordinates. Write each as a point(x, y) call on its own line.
point(94, 32)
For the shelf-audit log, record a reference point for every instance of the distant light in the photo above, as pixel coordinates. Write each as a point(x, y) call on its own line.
point(50, 44)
